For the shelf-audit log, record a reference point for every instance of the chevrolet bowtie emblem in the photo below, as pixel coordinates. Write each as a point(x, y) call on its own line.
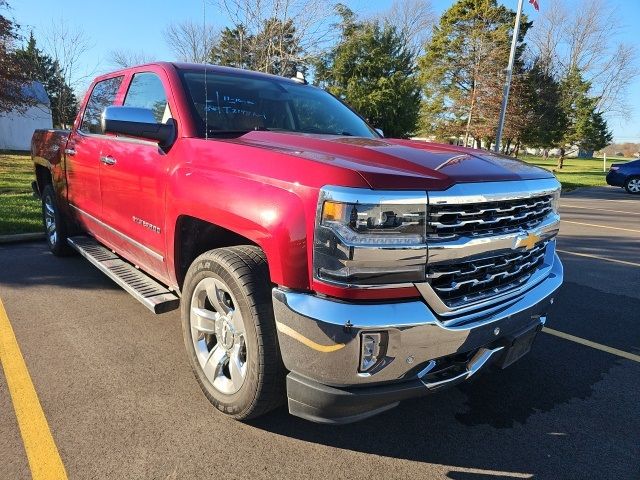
point(529, 241)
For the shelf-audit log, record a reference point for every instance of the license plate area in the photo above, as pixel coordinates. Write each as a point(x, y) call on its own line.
point(520, 346)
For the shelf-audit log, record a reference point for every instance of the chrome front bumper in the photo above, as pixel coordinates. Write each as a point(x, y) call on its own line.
point(320, 345)
point(320, 337)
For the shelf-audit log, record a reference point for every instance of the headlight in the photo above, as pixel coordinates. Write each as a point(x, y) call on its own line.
point(370, 242)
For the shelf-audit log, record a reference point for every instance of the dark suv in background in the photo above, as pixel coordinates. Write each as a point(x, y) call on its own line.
point(625, 175)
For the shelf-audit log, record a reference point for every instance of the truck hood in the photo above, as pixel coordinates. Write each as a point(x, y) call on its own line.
point(398, 164)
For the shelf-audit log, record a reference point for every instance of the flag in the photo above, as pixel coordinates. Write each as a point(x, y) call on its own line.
point(535, 4)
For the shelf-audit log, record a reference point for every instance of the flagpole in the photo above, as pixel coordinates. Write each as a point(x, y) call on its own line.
point(507, 84)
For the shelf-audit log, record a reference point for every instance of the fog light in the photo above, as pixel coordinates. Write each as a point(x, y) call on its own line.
point(370, 350)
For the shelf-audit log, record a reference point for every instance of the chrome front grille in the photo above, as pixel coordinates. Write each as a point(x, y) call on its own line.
point(486, 218)
point(467, 282)
point(488, 243)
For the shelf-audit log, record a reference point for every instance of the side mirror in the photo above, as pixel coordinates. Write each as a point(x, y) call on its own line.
point(137, 122)
point(380, 132)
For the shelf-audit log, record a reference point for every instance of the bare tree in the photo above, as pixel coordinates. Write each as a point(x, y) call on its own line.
point(67, 47)
point(128, 58)
point(267, 25)
point(191, 41)
point(414, 19)
point(547, 36)
point(588, 38)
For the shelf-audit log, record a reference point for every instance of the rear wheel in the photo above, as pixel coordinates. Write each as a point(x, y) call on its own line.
point(229, 331)
point(55, 228)
point(632, 185)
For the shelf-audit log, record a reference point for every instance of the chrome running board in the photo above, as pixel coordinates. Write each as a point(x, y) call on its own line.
point(141, 286)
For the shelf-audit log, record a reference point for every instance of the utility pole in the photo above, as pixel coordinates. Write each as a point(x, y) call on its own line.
point(507, 85)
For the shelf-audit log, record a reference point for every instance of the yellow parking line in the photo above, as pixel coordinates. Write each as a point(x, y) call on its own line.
point(598, 257)
point(42, 453)
point(601, 226)
point(589, 343)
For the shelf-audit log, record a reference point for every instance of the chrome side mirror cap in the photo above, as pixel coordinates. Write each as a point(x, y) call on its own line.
point(137, 122)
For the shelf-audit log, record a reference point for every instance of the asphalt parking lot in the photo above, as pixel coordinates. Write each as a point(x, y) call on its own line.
point(121, 402)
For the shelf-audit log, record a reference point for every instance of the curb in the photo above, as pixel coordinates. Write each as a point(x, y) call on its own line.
point(21, 237)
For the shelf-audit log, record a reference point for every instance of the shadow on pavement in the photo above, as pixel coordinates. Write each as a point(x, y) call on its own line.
point(31, 264)
point(506, 421)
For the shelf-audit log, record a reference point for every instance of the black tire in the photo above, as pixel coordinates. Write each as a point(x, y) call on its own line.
point(632, 185)
point(244, 270)
point(55, 228)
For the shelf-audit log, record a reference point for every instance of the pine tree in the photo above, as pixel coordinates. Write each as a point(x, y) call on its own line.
point(372, 69)
point(546, 120)
point(586, 127)
point(462, 71)
point(13, 71)
point(274, 49)
point(234, 49)
point(41, 68)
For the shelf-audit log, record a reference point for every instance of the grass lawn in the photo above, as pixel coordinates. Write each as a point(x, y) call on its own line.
point(19, 210)
point(577, 172)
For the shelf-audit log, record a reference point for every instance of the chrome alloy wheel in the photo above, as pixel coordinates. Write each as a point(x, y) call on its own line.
point(634, 185)
point(50, 220)
point(218, 335)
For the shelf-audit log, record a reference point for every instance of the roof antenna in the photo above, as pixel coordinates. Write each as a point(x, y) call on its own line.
point(204, 60)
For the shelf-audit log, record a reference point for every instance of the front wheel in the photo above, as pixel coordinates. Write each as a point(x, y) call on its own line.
point(229, 331)
point(55, 228)
point(632, 185)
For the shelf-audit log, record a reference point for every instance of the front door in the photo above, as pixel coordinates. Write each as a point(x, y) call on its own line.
point(83, 156)
point(133, 175)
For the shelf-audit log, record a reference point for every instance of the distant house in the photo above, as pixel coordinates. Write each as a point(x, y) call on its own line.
point(16, 127)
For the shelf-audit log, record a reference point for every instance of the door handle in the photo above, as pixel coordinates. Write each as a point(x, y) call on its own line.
point(108, 160)
point(70, 152)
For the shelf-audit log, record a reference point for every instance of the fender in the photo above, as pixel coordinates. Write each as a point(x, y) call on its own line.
point(275, 217)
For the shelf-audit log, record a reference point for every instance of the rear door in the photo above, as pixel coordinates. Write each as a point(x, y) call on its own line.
point(133, 179)
point(83, 156)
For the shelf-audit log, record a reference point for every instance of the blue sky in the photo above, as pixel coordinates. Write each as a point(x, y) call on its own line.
point(139, 24)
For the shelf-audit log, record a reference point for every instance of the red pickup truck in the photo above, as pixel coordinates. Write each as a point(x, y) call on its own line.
point(312, 259)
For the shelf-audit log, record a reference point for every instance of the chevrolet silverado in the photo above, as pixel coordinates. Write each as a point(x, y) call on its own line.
point(312, 259)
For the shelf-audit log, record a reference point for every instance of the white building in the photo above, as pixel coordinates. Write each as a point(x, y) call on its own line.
point(16, 127)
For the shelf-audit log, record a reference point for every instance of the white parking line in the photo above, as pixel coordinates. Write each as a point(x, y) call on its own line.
point(597, 257)
point(601, 226)
point(589, 343)
point(600, 209)
point(606, 200)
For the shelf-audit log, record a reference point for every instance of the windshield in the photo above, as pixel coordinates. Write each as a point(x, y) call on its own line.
point(236, 104)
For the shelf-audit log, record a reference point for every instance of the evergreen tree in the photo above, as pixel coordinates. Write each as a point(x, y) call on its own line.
point(586, 127)
point(462, 71)
point(41, 68)
point(274, 49)
point(546, 121)
point(234, 49)
point(278, 49)
point(13, 71)
point(372, 69)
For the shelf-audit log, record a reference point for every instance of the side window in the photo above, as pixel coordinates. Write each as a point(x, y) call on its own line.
point(146, 91)
point(102, 96)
